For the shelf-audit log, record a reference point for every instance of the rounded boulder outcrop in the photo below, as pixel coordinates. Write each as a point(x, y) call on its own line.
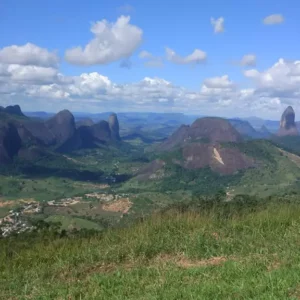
point(62, 126)
point(207, 130)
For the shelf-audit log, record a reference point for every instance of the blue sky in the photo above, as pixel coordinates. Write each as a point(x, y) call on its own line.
point(177, 82)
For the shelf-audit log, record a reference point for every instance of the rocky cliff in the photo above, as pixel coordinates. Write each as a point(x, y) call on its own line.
point(26, 138)
point(287, 123)
point(114, 127)
point(206, 143)
point(209, 130)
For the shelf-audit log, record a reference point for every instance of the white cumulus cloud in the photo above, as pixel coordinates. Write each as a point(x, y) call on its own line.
point(218, 24)
point(282, 81)
point(44, 87)
point(88, 84)
point(273, 19)
point(28, 74)
point(28, 54)
point(197, 56)
point(222, 82)
point(111, 42)
point(32, 74)
point(51, 91)
point(248, 60)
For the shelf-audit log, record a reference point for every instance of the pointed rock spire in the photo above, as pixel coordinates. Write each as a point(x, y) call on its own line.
point(287, 123)
point(114, 126)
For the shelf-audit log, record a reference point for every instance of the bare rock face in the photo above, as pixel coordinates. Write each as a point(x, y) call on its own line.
point(62, 126)
point(202, 145)
point(287, 123)
point(215, 130)
point(40, 131)
point(209, 130)
point(61, 132)
point(176, 139)
point(12, 110)
point(101, 132)
point(28, 138)
point(84, 122)
point(114, 127)
point(220, 159)
point(10, 142)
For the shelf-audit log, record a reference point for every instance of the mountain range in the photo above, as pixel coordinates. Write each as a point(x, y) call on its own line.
point(214, 152)
point(161, 125)
point(30, 137)
point(209, 142)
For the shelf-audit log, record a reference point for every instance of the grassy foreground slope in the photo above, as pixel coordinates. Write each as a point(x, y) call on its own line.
point(225, 252)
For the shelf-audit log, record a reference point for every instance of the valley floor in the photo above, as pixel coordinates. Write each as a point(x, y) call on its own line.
point(215, 254)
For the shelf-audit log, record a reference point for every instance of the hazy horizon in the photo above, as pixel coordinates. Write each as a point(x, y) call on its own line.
point(148, 112)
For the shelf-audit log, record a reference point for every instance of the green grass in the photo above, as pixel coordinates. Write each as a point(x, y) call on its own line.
point(48, 188)
point(274, 174)
point(71, 222)
point(4, 211)
point(111, 159)
point(278, 175)
point(178, 179)
point(246, 254)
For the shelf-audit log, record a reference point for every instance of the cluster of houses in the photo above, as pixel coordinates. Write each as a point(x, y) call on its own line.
point(64, 201)
point(15, 222)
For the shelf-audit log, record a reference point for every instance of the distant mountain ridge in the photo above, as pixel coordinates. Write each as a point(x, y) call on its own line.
point(133, 120)
point(215, 143)
point(13, 110)
point(247, 131)
point(29, 138)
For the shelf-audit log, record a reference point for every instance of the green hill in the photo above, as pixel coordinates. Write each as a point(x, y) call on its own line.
point(226, 252)
point(272, 171)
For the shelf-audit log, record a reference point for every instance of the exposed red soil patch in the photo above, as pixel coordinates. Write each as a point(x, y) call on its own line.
point(122, 205)
point(184, 262)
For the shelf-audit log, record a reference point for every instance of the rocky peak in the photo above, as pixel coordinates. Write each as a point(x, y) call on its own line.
point(101, 131)
point(215, 130)
point(287, 123)
point(62, 126)
point(204, 130)
point(114, 126)
point(10, 142)
point(12, 110)
point(64, 116)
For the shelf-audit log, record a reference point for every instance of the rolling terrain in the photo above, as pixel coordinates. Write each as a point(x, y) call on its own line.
point(56, 164)
point(211, 155)
point(88, 213)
